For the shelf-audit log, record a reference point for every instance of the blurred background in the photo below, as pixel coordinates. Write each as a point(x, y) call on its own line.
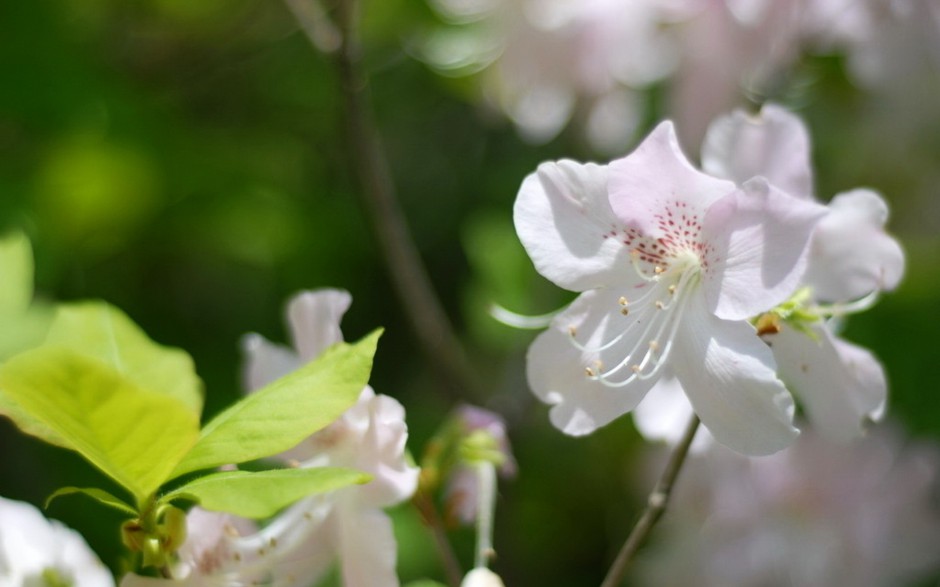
point(187, 162)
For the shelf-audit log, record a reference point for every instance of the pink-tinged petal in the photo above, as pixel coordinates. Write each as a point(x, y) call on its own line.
point(839, 384)
point(665, 412)
point(565, 223)
point(728, 374)
point(774, 144)
point(655, 180)
point(263, 361)
point(314, 318)
point(556, 368)
point(758, 244)
point(367, 548)
point(382, 454)
point(851, 255)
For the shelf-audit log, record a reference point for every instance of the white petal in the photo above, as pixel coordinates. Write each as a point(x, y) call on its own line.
point(30, 544)
point(368, 550)
point(774, 144)
point(839, 384)
point(657, 177)
point(665, 412)
point(851, 254)
point(760, 241)
point(556, 368)
point(314, 318)
point(308, 530)
point(382, 454)
point(566, 225)
point(728, 374)
point(264, 362)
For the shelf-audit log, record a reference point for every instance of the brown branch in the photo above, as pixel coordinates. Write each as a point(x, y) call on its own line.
point(405, 267)
point(655, 507)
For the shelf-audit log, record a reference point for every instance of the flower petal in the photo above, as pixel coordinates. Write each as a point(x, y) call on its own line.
point(367, 548)
point(728, 374)
point(839, 384)
point(263, 361)
point(851, 254)
point(555, 367)
point(760, 237)
point(314, 318)
point(775, 144)
point(566, 225)
point(657, 177)
point(665, 412)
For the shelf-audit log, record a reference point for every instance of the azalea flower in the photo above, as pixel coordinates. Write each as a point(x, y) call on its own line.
point(671, 264)
point(851, 260)
point(301, 543)
point(818, 513)
point(37, 551)
point(349, 524)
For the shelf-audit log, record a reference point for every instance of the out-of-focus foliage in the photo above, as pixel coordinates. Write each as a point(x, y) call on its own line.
point(186, 161)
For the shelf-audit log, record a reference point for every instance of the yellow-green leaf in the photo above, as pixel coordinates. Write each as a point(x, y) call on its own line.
point(99, 330)
point(99, 495)
point(281, 414)
point(261, 494)
point(133, 435)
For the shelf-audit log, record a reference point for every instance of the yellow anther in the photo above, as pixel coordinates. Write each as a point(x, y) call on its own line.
point(635, 368)
point(672, 289)
point(589, 372)
point(572, 331)
point(624, 311)
point(658, 270)
point(660, 305)
point(654, 345)
point(622, 301)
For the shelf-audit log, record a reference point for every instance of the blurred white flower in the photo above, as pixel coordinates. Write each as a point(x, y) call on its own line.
point(35, 551)
point(815, 514)
point(547, 61)
point(673, 263)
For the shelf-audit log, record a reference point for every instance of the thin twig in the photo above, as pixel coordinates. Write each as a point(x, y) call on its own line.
point(408, 274)
point(655, 507)
point(435, 524)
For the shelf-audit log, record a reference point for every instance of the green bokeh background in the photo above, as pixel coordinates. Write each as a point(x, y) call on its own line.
point(185, 161)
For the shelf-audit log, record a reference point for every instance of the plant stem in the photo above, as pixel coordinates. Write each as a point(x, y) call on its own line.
point(432, 519)
point(406, 269)
point(655, 507)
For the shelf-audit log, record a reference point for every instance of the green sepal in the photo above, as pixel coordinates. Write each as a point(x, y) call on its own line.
point(283, 413)
point(262, 494)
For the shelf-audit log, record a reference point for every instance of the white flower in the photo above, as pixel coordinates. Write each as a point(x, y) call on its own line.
point(548, 61)
point(301, 543)
point(816, 514)
point(37, 552)
point(370, 436)
point(672, 263)
point(851, 257)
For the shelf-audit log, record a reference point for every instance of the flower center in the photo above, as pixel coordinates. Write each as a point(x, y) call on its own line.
point(645, 320)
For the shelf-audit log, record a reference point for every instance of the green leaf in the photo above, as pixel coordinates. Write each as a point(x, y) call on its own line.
point(16, 267)
point(133, 435)
point(262, 494)
point(99, 330)
point(100, 495)
point(425, 583)
point(283, 413)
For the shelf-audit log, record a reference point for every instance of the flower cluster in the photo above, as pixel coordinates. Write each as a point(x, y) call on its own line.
point(545, 62)
point(708, 282)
